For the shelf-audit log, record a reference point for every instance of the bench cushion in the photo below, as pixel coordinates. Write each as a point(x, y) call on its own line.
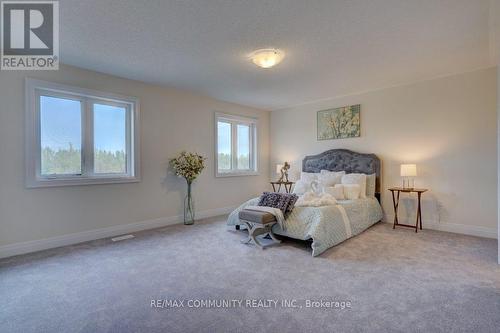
point(255, 216)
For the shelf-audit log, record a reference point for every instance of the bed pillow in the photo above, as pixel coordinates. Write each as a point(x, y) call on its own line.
point(283, 201)
point(352, 191)
point(370, 185)
point(308, 177)
point(330, 178)
point(356, 178)
point(301, 187)
point(336, 191)
point(293, 200)
point(304, 183)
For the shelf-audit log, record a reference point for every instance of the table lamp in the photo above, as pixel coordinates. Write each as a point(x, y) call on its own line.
point(278, 168)
point(408, 172)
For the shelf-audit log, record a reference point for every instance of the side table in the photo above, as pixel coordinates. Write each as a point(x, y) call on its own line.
point(395, 200)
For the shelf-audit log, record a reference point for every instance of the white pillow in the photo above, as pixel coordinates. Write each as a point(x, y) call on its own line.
point(370, 185)
point(336, 191)
point(356, 178)
point(301, 187)
point(308, 177)
point(330, 178)
point(304, 183)
point(352, 191)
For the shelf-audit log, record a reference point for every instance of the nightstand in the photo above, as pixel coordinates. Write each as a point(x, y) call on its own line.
point(287, 185)
point(395, 200)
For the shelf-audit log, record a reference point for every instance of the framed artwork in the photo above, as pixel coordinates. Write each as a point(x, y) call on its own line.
point(339, 123)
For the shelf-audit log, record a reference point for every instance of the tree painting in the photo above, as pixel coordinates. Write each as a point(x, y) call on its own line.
point(339, 123)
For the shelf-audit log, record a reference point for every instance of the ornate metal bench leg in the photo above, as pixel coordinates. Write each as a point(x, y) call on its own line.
point(249, 238)
point(256, 229)
point(252, 236)
point(274, 237)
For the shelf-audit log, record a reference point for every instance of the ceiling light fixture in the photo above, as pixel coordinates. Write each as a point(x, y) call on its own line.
point(267, 58)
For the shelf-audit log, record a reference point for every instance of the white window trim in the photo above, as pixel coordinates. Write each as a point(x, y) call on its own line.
point(254, 151)
point(33, 178)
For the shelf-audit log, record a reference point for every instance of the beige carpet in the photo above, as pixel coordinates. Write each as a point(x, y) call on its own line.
point(395, 281)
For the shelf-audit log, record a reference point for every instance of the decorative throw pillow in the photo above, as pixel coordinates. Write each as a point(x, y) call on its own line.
point(352, 191)
point(283, 201)
point(356, 178)
point(304, 183)
point(291, 204)
point(336, 191)
point(370, 185)
point(330, 178)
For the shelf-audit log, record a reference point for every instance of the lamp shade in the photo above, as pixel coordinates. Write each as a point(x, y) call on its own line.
point(278, 168)
point(408, 170)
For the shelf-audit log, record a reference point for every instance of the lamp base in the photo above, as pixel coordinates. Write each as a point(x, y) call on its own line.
point(406, 184)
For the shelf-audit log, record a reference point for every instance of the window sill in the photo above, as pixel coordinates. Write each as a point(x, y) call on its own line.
point(39, 183)
point(236, 174)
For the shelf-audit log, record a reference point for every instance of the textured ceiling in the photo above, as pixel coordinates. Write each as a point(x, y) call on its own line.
point(333, 47)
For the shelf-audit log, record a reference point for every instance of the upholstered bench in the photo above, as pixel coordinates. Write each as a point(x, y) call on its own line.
point(258, 223)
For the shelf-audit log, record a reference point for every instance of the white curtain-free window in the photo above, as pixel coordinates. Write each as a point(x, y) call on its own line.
point(77, 136)
point(235, 146)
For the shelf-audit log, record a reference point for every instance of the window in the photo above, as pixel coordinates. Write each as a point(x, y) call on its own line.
point(77, 136)
point(236, 146)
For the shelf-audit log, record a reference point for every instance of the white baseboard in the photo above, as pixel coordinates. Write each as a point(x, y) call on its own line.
point(451, 227)
point(84, 236)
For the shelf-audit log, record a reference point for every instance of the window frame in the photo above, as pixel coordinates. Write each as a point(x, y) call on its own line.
point(34, 178)
point(235, 120)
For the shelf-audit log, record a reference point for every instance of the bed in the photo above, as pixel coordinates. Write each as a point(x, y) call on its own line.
point(328, 226)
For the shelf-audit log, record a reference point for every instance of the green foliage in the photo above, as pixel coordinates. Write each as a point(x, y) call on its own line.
point(62, 161)
point(224, 162)
point(109, 162)
point(243, 162)
point(68, 161)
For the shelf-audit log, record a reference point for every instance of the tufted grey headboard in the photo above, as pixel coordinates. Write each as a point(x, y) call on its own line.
point(344, 160)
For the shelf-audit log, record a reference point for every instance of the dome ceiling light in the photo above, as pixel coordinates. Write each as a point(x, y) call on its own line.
point(267, 58)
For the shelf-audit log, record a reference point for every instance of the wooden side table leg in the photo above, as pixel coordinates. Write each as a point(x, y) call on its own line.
point(279, 187)
point(395, 204)
point(418, 213)
point(274, 189)
point(420, 209)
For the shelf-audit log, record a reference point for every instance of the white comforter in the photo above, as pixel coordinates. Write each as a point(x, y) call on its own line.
point(311, 199)
point(326, 225)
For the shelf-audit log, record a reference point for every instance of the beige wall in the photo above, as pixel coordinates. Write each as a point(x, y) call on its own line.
point(494, 22)
point(447, 126)
point(498, 150)
point(171, 120)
